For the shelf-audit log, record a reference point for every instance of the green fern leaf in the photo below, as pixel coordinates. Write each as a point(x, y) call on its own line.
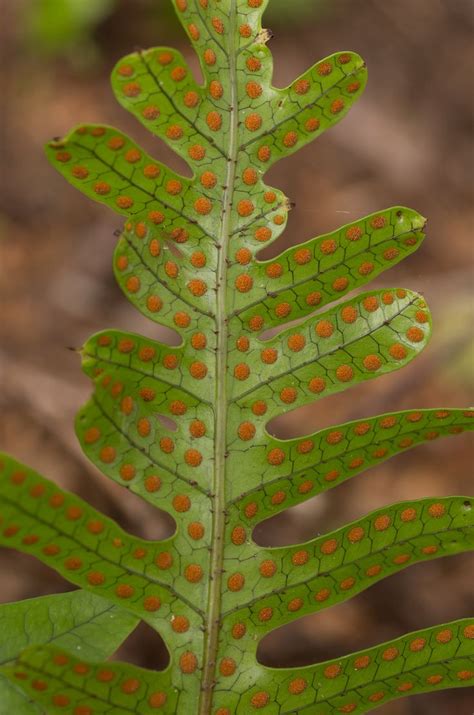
point(78, 621)
point(185, 427)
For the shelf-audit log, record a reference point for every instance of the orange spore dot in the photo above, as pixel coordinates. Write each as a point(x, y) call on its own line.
point(80, 172)
point(196, 152)
point(178, 74)
point(154, 303)
point(246, 431)
point(344, 373)
point(245, 208)
point(436, 511)
point(243, 256)
point(390, 653)
point(166, 445)
point(324, 329)
point(157, 700)
point(227, 667)
point(362, 662)
point(278, 498)
point(132, 89)
point(288, 395)
point(259, 408)
point(290, 139)
point(365, 268)
point(238, 630)
point(216, 90)
point(322, 595)
point(253, 122)
point(150, 113)
point(382, 522)
point(415, 335)
point(197, 429)
point(265, 614)
point(181, 503)
point(208, 179)
point(124, 590)
point(194, 32)
point(337, 106)
point(174, 187)
point(353, 87)
point(181, 319)
point(332, 671)
point(73, 563)
point(262, 698)
point(255, 323)
point(152, 483)
point(276, 456)
point(197, 287)
point(378, 222)
point(203, 206)
point(282, 310)
point(296, 342)
point(214, 121)
point(133, 284)
point(391, 253)
point(235, 582)
point(193, 457)
point(238, 535)
point(209, 57)
point(193, 573)
point(300, 558)
point(295, 605)
point(264, 153)
point(370, 303)
point(356, 534)
point(156, 217)
point(191, 99)
point(102, 188)
point(253, 64)
point(199, 341)
point(196, 530)
point(329, 547)
point(146, 353)
point(328, 246)
point(174, 132)
point(324, 69)
point(198, 370)
point(164, 560)
point(317, 385)
point(306, 446)
point(127, 472)
point(398, 351)
point(372, 363)
point(253, 89)
point(340, 284)
point(251, 509)
point(249, 176)
point(242, 344)
point(245, 31)
point(50, 549)
point(95, 578)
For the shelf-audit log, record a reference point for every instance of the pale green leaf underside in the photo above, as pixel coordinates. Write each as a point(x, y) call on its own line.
point(186, 427)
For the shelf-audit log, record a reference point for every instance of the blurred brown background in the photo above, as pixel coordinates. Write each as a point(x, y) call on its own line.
point(407, 141)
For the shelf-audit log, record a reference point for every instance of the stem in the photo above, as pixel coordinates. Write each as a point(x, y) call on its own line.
point(211, 643)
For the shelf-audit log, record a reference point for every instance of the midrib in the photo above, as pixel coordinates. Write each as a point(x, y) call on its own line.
point(213, 612)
